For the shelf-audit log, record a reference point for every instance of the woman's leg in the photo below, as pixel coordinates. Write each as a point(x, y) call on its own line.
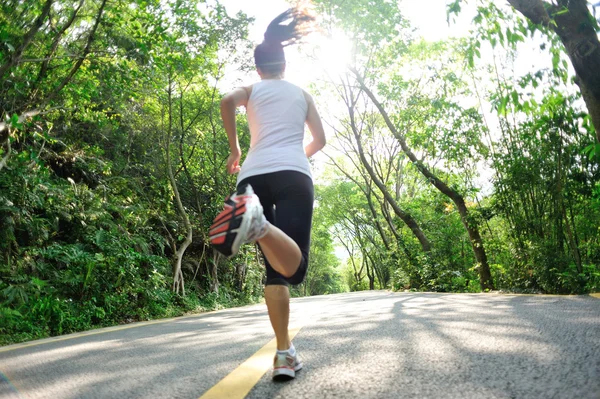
point(284, 256)
point(286, 246)
point(281, 251)
point(277, 298)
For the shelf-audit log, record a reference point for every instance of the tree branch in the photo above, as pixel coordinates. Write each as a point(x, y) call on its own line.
point(14, 59)
point(79, 62)
point(534, 10)
point(4, 160)
point(44, 68)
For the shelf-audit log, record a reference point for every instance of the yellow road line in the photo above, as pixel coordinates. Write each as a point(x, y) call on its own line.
point(12, 388)
point(98, 331)
point(596, 295)
point(240, 381)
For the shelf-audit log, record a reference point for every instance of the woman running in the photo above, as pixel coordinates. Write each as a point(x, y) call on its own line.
point(273, 203)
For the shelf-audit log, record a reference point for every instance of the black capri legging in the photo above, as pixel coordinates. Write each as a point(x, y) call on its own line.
point(287, 198)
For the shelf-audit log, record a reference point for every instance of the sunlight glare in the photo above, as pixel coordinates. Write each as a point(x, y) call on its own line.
point(321, 57)
point(333, 54)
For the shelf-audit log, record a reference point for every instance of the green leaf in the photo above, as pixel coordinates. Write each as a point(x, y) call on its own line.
point(38, 283)
point(515, 97)
point(592, 150)
point(470, 59)
point(562, 12)
point(555, 60)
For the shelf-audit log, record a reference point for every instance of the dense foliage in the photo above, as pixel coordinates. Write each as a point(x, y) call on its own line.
point(443, 172)
point(460, 169)
point(112, 156)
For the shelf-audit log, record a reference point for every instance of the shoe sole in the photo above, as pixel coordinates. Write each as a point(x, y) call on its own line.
point(285, 374)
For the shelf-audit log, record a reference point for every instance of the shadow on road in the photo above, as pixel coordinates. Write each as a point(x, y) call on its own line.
point(451, 346)
point(359, 345)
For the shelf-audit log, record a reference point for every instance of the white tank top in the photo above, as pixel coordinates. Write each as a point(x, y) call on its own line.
point(276, 114)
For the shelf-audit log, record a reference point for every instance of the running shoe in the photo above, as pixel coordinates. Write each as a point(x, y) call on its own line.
point(242, 220)
point(285, 366)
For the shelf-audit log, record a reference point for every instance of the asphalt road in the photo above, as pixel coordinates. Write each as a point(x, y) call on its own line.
point(359, 345)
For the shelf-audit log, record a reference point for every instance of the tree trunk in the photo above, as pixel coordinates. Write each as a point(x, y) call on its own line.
point(405, 216)
point(367, 191)
point(365, 265)
point(240, 273)
point(370, 273)
point(214, 275)
point(357, 273)
point(399, 239)
point(384, 238)
point(485, 277)
point(572, 21)
point(4, 160)
point(378, 272)
point(178, 283)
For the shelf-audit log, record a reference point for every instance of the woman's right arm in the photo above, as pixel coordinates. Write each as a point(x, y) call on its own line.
point(313, 120)
point(232, 100)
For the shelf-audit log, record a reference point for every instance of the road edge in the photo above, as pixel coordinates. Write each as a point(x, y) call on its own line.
point(104, 330)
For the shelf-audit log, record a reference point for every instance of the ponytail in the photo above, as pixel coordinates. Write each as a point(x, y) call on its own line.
point(300, 25)
point(269, 55)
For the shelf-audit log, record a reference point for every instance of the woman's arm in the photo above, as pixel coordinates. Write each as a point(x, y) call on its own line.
point(313, 120)
point(232, 100)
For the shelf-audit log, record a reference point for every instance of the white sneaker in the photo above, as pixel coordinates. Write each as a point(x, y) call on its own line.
point(242, 220)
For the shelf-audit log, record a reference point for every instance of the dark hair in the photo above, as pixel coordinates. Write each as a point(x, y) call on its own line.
point(269, 55)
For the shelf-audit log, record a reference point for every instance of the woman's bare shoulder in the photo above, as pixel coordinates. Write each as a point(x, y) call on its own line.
point(307, 96)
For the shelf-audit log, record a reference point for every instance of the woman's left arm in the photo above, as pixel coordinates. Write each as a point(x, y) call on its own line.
point(313, 120)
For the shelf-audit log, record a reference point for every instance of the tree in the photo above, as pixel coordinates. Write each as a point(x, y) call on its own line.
point(543, 244)
point(574, 26)
point(469, 223)
point(323, 275)
point(108, 158)
point(354, 130)
point(578, 31)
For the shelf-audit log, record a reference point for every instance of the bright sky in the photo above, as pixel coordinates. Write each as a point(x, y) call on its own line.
point(431, 25)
